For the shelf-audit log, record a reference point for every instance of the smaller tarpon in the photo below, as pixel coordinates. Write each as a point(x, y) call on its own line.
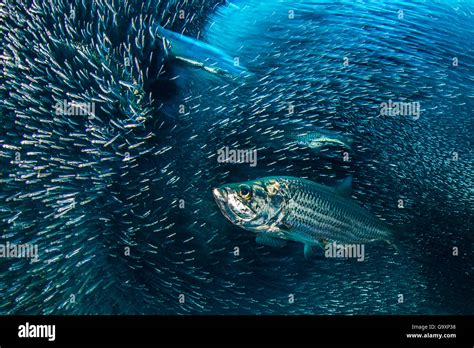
point(198, 54)
point(318, 139)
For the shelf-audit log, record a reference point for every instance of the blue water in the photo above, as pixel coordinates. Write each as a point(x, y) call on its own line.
point(145, 235)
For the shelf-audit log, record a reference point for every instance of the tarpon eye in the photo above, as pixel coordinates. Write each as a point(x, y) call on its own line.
point(245, 192)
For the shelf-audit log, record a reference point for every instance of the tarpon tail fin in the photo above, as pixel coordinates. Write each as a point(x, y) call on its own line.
point(395, 238)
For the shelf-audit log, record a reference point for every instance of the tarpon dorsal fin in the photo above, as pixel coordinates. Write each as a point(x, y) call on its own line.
point(344, 188)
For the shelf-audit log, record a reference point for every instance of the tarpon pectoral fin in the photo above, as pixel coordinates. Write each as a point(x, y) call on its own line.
point(323, 243)
point(308, 251)
point(344, 188)
point(283, 226)
point(264, 239)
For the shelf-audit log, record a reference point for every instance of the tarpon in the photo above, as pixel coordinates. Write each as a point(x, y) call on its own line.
point(197, 53)
point(280, 209)
point(318, 139)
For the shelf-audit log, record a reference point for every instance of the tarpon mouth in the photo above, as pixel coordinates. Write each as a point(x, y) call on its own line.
point(221, 196)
